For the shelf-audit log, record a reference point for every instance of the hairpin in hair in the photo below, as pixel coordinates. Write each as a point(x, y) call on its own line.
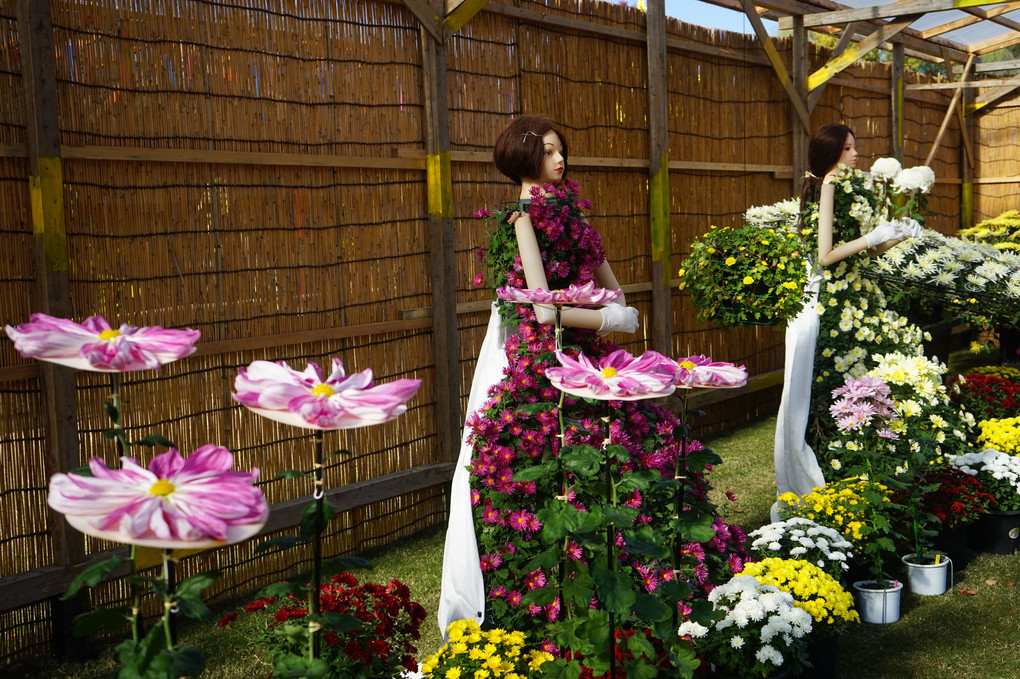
point(525, 138)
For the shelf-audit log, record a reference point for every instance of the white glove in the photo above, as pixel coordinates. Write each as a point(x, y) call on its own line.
point(909, 228)
point(883, 232)
point(616, 317)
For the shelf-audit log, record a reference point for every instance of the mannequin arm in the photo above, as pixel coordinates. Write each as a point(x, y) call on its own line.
point(534, 274)
point(828, 255)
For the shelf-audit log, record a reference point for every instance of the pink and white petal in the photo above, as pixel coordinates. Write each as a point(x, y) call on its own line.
point(166, 344)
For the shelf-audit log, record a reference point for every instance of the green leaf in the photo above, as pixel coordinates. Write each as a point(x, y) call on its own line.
point(615, 590)
point(184, 661)
point(83, 470)
point(312, 522)
point(111, 410)
point(112, 619)
point(296, 588)
point(153, 440)
point(143, 659)
point(288, 666)
point(536, 408)
point(196, 610)
point(92, 575)
point(648, 607)
point(581, 461)
point(577, 592)
point(339, 622)
point(346, 563)
point(694, 528)
point(535, 473)
point(540, 597)
point(697, 460)
point(281, 542)
point(646, 541)
point(558, 519)
point(641, 669)
point(675, 590)
point(191, 588)
point(291, 474)
point(545, 559)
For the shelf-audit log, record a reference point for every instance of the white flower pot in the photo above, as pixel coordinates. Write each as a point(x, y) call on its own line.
point(926, 579)
point(879, 606)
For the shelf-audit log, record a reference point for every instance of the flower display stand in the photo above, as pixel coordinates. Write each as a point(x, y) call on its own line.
point(953, 543)
point(878, 606)
point(997, 532)
point(928, 579)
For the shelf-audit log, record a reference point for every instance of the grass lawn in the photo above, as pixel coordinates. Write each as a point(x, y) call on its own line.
point(964, 636)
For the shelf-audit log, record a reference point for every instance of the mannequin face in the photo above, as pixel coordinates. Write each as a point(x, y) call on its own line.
point(849, 157)
point(553, 162)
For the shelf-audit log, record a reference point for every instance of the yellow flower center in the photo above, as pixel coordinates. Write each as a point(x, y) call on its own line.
point(609, 372)
point(109, 334)
point(687, 365)
point(323, 390)
point(162, 488)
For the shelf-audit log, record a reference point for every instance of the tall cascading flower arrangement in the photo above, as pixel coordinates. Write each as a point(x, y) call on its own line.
point(618, 376)
point(176, 502)
point(689, 373)
point(306, 399)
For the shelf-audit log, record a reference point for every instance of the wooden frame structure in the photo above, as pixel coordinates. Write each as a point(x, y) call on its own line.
point(864, 29)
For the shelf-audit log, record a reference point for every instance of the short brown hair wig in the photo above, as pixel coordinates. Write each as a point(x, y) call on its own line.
point(519, 148)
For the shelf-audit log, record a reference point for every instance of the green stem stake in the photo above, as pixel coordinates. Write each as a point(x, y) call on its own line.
point(610, 540)
point(169, 605)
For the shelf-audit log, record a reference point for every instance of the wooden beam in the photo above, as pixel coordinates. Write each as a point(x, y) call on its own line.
point(988, 98)
point(891, 10)
point(993, 66)
point(950, 110)
point(856, 52)
point(964, 128)
point(792, 90)
point(446, 352)
point(896, 95)
point(799, 135)
point(52, 289)
point(428, 16)
point(992, 44)
point(961, 85)
point(461, 14)
point(844, 41)
point(658, 178)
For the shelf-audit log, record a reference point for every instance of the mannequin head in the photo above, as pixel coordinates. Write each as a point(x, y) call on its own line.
point(828, 148)
point(521, 149)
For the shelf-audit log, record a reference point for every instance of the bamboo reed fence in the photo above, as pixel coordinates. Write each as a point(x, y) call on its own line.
point(257, 170)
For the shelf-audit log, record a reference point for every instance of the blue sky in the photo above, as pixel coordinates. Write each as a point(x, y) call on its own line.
point(704, 14)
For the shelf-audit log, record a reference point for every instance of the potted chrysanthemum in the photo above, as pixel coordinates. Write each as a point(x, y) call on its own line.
point(472, 652)
point(759, 631)
point(820, 594)
point(745, 276)
point(998, 531)
point(802, 538)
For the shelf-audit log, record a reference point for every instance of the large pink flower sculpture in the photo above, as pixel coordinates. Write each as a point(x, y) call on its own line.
point(618, 376)
point(573, 294)
point(702, 371)
point(175, 503)
point(304, 399)
point(95, 345)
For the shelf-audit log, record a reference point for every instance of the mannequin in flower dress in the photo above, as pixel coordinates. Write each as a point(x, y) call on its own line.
point(831, 152)
point(533, 153)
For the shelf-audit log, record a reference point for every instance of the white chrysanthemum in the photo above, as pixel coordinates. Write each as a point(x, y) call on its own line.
point(886, 168)
point(692, 629)
point(920, 178)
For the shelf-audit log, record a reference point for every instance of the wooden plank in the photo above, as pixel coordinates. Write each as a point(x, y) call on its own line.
point(891, 10)
point(844, 41)
point(429, 18)
point(29, 587)
point(961, 85)
point(793, 91)
point(988, 98)
point(461, 14)
point(856, 52)
point(992, 66)
point(993, 44)
point(799, 135)
point(442, 269)
point(950, 110)
point(236, 157)
point(658, 177)
point(52, 289)
point(565, 22)
point(896, 96)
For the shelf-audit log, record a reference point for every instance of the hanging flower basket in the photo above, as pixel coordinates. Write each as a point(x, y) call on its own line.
point(746, 276)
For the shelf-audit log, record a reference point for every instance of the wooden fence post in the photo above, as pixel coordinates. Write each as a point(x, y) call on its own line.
point(442, 269)
point(897, 101)
point(798, 76)
point(658, 178)
point(53, 296)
